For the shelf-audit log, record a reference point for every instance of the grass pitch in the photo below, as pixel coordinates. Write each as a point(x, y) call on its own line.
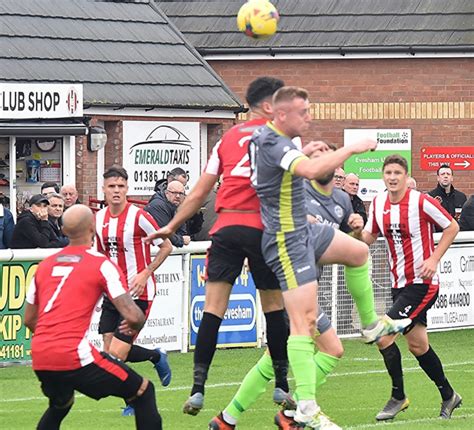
point(353, 395)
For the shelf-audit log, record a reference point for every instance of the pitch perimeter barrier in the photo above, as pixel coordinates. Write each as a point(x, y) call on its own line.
point(177, 310)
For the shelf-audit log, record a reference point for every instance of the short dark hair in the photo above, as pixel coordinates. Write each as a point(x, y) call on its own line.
point(396, 159)
point(177, 171)
point(261, 89)
point(116, 171)
point(444, 166)
point(50, 185)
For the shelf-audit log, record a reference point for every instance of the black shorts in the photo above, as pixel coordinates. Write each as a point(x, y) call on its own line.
point(110, 319)
point(96, 380)
point(413, 301)
point(229, 248)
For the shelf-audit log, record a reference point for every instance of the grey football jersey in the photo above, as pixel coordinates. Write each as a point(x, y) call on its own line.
point(282, 197)
point(331, 209)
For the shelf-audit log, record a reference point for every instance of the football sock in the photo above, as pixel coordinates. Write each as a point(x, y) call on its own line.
point(205, 348)
point(360, 286)
point(432, 366)
point(139, 354)
point(277, 336)
point(52, 418)
point(301, 356)
point(147, 416)
point(253, 385)
point(325, 364)
point(393, 362)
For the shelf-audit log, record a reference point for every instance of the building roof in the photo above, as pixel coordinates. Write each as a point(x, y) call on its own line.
point(125, 54)
point(332, 26)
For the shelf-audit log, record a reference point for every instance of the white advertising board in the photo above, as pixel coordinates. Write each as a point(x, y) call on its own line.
point(30, 101)
point(454, 306)
point(151, 149)
point(164, 325)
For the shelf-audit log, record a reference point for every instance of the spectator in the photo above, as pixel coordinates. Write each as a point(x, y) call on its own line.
point(70, 194)
point(55, 213)
point(49, 187)
point(466, 220)
point(32, 229)
point(339, 178)
point(7, 225)
point(411, 183)
point(163, 207)
point(176, 174)
point(209, 217)
point(450, 198)
point(351, 187)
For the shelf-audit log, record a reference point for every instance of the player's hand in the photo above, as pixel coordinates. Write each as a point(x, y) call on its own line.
point(125, 329)
point(363, 145)
point(356, 223)
point(311, 219)
point(313, 146)
point(428, 268)
point(138, 283)
point(163, 233)
point(186, 239)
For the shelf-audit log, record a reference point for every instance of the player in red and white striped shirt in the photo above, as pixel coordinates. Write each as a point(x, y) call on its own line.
point(120, 228)
point(406, 219)
point(60, 302)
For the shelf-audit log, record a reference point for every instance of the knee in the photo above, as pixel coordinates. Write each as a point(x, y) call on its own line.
point(336, 350)
point(417, 348)
point(360, 257)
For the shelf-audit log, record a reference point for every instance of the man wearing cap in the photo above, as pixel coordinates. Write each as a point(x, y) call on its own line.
point(32, 229)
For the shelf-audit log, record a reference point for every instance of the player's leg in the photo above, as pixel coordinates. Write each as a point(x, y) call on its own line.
point(353, 253)
point(419, 346)
point(107, 376)
point(61, 399)
point(108, 322)
point(224, 263)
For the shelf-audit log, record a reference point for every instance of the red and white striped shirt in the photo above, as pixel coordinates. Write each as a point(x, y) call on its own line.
point(408, 229)
point(66, 288)
point(120, 239)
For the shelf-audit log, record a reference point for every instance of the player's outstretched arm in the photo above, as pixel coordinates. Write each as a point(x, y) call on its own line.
point(130, 311)
point(31, 316)
point(428, 269)
point(317, 168)
point(192, 203)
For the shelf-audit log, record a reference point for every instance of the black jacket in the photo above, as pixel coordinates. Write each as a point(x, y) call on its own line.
point(358, 207)
point(32, 233)
point(450, 201)
point(58, 233)
point(162, 211)
point(466, 220)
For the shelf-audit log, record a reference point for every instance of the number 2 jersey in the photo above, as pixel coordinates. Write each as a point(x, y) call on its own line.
point(408, 230)
point(120, 239)
point(66, 288)
point(230, 159)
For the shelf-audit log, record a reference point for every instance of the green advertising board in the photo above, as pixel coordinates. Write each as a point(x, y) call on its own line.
point(15, 338)
point(368, 166)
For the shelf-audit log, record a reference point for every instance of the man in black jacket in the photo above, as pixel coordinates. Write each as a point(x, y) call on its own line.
point(32, 229)
point(351, 187)
point(55, 213)
point(451, 199)
point(163, 207)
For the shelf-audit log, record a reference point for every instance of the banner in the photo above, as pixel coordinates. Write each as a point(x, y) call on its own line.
point(31, 101)
point(239, 326)
point(164, 326)
point(151, 149)
point(454, 306)
point(15, 338)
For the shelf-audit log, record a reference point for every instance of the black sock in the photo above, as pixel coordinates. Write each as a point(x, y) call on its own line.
point(432, 366)
point(147, 416)
point(393, 362)
point(139, 354)
point(205, 348)
point(277, 336)
point(52, 418)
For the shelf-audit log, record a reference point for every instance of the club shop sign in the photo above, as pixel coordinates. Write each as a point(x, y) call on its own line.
point(31, 101)
point(151, 149)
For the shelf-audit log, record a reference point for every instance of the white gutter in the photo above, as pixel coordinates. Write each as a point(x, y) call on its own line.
point(156, 112)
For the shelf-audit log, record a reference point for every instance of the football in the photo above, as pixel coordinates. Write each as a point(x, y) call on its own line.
point(258, 19)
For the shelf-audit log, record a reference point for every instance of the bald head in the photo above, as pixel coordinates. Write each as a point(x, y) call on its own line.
point(175, 192)
point(78, 225)
point(351, 184)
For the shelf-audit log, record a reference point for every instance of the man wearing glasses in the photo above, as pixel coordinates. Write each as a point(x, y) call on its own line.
point(339, 178)
point(163, 207)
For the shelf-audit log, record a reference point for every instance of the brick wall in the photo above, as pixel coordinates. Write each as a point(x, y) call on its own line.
point(379, 93)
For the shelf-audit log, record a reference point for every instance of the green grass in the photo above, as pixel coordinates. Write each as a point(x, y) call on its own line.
point(352, 396)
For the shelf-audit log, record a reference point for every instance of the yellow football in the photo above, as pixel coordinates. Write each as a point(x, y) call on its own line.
point(258, 19)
